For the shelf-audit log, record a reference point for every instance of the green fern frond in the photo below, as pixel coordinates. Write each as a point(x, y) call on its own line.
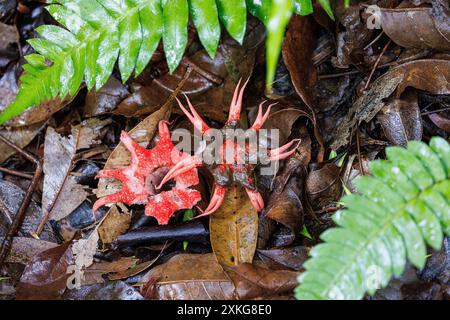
point(401, 208)
point(95, 34)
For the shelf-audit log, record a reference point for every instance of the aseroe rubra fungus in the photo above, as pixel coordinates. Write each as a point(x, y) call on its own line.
point(152, 169)
point(145, 171)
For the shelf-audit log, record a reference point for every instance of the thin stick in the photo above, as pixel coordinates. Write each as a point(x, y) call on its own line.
point(376, 64)
point(16, 173)
point(20, 215)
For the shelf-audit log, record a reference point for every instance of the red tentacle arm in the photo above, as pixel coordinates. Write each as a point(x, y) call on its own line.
point(193, 116)
point(216, 201)
point(256, 199)
point(236, 104)
point(260, 118)
point(279, 154)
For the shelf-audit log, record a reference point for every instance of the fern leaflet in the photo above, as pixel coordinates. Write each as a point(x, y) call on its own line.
point(405, 205)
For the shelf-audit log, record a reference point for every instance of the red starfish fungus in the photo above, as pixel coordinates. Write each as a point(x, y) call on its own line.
point(147, 167)
point(227, 172)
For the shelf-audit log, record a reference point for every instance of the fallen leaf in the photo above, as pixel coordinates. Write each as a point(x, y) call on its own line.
point(323, 185)
point(298, 47)
point(20, 136)
point(432, 75)
point(440, 120)
point(401, 120)
point(418, 27)
point(8, 35)
point(292, 258)
point(115, 224)
point(254, 281)
point(188, 277)
point(24, 249)
point(45, 277)
point(106, 99)
point(234, 228)
point(284, 205)
point(61, 193)
point(11, 197)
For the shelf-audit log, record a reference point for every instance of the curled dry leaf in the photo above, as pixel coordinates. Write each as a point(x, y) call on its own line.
point(188, 277)
point(234, 228)
point(105, 99)
point(432, 75)
point(298, 47)
point(419, 27)
point(45, 276)
point(284, 205)
point(291, 258)
point(401, 119)
point(324, 185)
point(254, 281)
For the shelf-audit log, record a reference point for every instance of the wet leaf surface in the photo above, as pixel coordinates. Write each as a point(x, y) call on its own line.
point(45, 276)
point(234, 228)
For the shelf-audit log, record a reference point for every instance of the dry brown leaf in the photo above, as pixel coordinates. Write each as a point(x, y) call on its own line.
point(254, 281)
point(115, 224)
point(418, 27)
point(401, 120)
point(432, 75)
point(45, 276)
point(61, 193)
point(189, 277)
point(234, 228)
point(298, 47)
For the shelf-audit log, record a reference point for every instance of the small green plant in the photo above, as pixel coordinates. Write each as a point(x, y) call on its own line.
point(405, 204)
point(97, 33)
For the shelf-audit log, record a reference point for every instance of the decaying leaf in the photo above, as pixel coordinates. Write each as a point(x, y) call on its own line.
point(11, 197)
point(401, 119)
point(117, 290)
point(234, 228)
point(284, 204)
point(24, 249)
point(83, 251)
point(115, 224)
point(61, 194)
point(8, 35)
point(291, 257)
point(253, 281)
point(432, 75)
point(323, 185)
point(21, 136)
point(419, 27)
point(189, 277)
point(45, 276)
point(298, 47)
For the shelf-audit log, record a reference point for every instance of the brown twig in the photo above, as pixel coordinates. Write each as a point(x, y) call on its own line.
point(377, 62)
point(20, 215)
point(16, 173)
